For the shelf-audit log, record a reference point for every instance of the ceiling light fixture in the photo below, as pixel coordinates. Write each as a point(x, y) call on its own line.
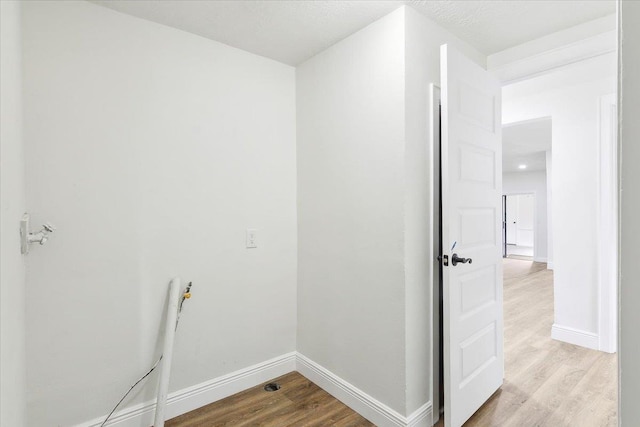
point(522, 166)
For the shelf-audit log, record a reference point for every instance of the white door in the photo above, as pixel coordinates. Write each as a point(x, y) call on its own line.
point(471, 226)
point(525, 219)
point(512, 221)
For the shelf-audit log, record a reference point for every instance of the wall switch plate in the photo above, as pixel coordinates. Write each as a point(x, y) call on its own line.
point(252, 238)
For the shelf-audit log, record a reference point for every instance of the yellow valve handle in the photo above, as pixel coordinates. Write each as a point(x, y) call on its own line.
point(187, 295)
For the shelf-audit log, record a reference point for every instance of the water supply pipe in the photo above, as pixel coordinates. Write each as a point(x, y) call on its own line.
point(167, 353)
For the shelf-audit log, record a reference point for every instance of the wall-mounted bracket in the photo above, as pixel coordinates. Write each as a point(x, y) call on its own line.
point(27, 237)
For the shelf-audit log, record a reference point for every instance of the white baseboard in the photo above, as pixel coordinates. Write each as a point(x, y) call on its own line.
point(422, 417)
point(188, 399)
point(373, 410)
point(575, 336)
point(549, 265)
point(540, 259)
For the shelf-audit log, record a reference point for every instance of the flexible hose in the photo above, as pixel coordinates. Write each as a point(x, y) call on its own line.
point(185, 295)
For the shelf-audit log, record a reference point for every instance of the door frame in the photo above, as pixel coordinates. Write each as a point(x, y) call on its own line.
point(435, 381)
point(535, 216)
point(607, 179)
point(607, 220)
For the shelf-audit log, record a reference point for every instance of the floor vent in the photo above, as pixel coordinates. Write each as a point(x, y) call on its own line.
point(272, 387)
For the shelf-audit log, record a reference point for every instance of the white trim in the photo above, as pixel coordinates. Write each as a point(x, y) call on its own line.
point(370, 408)
point(554, 40)
point(190, 398)
point(607, 217)
point(575, 336)
point(422, 417)
point(540, 259)
point(510, 67)
point(549, 177)
point(434, 250)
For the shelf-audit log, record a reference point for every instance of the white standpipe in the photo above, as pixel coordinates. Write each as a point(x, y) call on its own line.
point(165, 364)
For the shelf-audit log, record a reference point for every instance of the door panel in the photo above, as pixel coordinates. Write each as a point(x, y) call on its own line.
point(525, 219)
point(471, 227)
point(512, 220)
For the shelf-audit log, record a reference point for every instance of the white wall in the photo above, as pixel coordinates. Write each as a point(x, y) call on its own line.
point(535, 183)
point(351, 296)
point(364, 190)
point(571, 96)
point(630, 212)
point(12, 206)
point(152, 150)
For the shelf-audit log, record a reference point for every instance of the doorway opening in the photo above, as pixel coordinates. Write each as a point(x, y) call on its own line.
point(526, 189)
point(519, 226)
point(541, 348)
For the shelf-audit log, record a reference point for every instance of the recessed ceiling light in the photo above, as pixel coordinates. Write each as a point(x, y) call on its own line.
point(522, 166)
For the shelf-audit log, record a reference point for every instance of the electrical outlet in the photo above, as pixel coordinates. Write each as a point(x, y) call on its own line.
point(252, 238)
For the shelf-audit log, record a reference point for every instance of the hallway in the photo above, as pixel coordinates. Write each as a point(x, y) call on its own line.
point(547, 382)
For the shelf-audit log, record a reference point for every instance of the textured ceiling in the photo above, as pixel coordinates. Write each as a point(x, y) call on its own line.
point(492, 26)
point(287, 31)
point(525, 143)
point(295, 30)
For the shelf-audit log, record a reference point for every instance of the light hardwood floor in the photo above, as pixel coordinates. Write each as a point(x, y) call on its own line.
point(299, 403)
point(547, 382)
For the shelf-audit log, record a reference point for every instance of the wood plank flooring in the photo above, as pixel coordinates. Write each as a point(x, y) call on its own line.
point(547, 382)
point(298, 403)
